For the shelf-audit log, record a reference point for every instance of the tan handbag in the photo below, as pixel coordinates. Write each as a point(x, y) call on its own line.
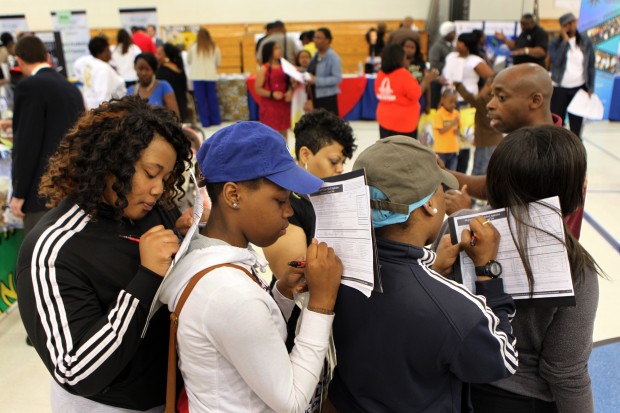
point(171, 386)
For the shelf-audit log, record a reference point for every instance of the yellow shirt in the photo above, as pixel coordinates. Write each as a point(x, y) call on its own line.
point(445, 142)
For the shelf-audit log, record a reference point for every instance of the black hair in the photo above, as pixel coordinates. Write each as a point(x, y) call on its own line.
point(367, 36)
point(6, 38)
point(527, 16)
point(124, 39)
point(97, 45)
point(174, 55)
point(149, 58)
point(552, 161)
point(278, 24)
point(31, 50)
point(326, 32)
point(321, 128)
point(106, 143)
point(267, 52)
point(470, 41)
point(307, 35)
point(448, 92)
point(392, 58)
point(417, 57)
point(215, 189)
point(299, 54)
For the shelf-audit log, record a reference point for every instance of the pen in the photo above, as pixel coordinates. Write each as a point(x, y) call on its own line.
point(297, 264)
point(130, 238)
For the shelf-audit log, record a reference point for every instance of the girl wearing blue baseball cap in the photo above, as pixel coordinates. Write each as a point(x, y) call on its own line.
point(232, 331)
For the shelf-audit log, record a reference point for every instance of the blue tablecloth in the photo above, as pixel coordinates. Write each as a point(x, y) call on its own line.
point(614, 106)
point(365, 109)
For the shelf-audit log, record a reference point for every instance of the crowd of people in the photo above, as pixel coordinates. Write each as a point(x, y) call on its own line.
point(101, 201)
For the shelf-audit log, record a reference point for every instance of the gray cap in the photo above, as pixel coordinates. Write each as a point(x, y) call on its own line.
point(567, 18)
point(404, 170)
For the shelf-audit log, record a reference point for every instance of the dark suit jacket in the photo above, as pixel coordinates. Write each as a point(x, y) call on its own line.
point(46, 106)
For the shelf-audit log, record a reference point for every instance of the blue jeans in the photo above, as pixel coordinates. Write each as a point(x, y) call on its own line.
point(450, 160)
point(206, 99)
point(481, 160)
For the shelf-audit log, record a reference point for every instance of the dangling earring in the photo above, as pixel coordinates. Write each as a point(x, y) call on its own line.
point(306, 166)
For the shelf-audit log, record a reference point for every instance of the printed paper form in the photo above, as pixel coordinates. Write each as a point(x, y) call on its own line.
point(197, 214)
point(548, 256)
point(342, 208)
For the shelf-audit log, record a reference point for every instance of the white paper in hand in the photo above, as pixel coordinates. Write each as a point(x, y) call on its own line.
point(586, 106)
point(197, 214)
point(292, 71)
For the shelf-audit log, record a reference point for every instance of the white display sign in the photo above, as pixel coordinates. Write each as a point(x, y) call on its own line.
point(13, 24)
point(75, 35)
point(138, 17)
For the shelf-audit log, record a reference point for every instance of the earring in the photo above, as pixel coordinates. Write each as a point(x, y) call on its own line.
point(235, 205)
point(434, 210)
point(306, 166)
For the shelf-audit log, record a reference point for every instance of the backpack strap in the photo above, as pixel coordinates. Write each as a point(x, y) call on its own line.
point(171, 387)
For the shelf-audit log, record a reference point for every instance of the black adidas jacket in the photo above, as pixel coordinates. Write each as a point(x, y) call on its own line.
point(84, 300)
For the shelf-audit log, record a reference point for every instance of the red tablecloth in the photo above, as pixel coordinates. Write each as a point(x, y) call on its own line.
point(351, 91)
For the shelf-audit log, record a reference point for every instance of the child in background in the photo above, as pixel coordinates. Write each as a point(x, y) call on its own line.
point(486, 138)
point(446, 130)
point(300, 94)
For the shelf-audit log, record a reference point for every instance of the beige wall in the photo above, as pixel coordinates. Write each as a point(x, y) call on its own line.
point(104, 13)
point(513, 9)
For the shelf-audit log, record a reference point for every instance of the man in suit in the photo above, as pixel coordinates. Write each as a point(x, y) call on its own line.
point(46, 107)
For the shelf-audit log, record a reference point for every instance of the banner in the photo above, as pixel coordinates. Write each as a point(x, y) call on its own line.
point(10, 241)
point(53, 44)
point(138, 18)
point(75, 35)
point(13, 24)
point(497, 50)
point(600, 21)
point(179, 35)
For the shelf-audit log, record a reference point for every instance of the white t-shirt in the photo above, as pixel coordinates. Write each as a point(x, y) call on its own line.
point(463, 69)
point(574, 75)
point(124, 63)
point(231, 337)
point(100, 82)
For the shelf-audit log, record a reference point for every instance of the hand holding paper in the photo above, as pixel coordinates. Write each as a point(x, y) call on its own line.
point(586, 105)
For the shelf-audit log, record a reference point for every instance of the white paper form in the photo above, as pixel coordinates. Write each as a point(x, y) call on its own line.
point(292, 71)
point(343, 221)
point(197, 215)
point(547, 255)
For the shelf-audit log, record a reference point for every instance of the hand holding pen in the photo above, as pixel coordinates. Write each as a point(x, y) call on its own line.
point(157, 247)
point(480, 241)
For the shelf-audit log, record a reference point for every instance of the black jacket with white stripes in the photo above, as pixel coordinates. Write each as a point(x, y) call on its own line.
point(84, 300)
point(410, 348)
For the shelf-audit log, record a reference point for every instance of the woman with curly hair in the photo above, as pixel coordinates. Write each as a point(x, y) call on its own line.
point(89, 270)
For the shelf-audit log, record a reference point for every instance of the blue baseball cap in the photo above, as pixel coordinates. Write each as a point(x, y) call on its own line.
point(250, 150)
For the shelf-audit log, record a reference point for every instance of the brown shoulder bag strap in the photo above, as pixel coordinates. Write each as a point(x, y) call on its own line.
point(171, 387)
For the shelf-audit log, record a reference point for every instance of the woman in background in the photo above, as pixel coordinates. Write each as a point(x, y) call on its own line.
point(326, 72)
point(171, 69)
point(274, 88)
point(399, 94)
point(123, 56)
point(466, 66)
point(157, 92)
point(204, 57)
point(417, 67)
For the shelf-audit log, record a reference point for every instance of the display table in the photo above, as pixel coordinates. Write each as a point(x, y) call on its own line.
point(356, 100)
point(233, 98)
point(614, 105)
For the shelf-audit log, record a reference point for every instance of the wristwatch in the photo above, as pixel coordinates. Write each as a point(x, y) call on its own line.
point(491, 269)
